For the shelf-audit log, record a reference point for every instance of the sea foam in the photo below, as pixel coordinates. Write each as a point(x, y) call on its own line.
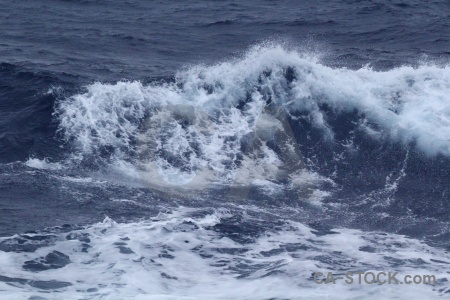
point(219, 123)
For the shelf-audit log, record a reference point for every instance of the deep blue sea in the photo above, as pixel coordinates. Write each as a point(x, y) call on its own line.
point(223, 149)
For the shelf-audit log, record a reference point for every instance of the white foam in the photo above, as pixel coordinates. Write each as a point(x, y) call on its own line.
point(178, 256)
point(191, 132)
point(43, 164)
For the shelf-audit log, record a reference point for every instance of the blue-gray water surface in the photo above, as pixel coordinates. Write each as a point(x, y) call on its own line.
point(223, 149)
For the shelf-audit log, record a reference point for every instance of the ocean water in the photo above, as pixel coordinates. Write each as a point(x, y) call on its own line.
point(223, 149)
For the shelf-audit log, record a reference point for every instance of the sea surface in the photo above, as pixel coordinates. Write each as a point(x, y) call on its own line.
point(223, 149)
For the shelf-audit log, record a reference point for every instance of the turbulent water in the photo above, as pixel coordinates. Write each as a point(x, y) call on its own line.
point(223, 150)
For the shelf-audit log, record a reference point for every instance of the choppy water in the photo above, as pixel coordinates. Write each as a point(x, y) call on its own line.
point(223, 150)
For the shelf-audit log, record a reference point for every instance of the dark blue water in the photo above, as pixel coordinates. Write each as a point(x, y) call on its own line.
point(222, 123)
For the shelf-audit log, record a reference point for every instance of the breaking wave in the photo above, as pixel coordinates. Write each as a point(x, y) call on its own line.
point(249, 119)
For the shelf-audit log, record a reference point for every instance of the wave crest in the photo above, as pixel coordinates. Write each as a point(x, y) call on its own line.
point(236, 121)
